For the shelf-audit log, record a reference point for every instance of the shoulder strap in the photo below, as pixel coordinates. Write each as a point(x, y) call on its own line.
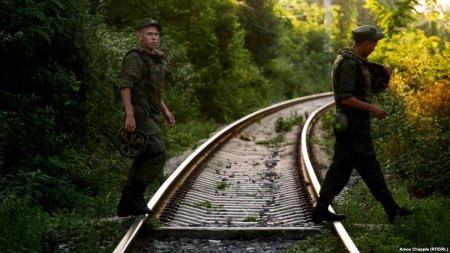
point(156, 57)
point(141, 55)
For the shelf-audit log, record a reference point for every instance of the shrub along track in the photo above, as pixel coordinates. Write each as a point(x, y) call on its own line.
point(245, 182)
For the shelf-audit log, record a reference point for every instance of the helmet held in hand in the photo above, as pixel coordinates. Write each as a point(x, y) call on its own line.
point(131, 144)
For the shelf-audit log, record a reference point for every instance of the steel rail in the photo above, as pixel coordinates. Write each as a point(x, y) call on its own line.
point(311, 175)
point(169, 187)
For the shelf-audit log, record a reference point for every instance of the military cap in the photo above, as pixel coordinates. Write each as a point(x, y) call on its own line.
point(366, 32)
point(148, 22)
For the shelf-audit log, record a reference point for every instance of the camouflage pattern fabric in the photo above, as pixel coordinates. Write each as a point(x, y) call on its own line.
point(354, 148)
point(351, 78)
point(143, 74)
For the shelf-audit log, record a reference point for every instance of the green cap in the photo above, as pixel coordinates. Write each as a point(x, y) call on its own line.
point(366, 32)
point(148, 22)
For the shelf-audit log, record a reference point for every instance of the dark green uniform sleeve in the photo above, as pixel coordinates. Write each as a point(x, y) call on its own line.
point(131, 71)
point(346, 81)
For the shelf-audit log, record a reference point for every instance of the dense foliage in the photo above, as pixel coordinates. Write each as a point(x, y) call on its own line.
point(59, 104)
point(415, 139)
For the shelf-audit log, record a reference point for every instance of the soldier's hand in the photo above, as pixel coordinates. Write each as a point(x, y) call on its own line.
point(130, 124)
point(379, 113)
point(170, 119)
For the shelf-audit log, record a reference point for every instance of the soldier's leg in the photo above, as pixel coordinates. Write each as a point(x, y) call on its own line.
point(132, 200)
point(126, 204)
point(145, 169)
point(149, 170)
point(369, 168)
point(335, 180)
point(339, 171)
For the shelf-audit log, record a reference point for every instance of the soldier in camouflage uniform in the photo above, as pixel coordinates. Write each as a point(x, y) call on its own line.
point(355, 79)
point(142, 79)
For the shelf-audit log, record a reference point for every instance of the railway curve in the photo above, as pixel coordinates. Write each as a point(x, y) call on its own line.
point(247, 181)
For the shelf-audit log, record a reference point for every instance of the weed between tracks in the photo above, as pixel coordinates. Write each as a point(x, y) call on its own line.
point(221, 185)
point(273, 141)
point(282, 126)
point(250, 219)
point(204, 205)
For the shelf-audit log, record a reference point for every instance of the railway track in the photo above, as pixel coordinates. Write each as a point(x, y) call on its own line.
point(247, 181)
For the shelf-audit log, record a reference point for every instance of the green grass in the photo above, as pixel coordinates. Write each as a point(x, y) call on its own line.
point(429, 226)
point(285, 125)
point(282, 126)
point(273, 141)
point(323, 242)
point(221, 185)
point(202, 205)
point(367, 224)
point(250, 219)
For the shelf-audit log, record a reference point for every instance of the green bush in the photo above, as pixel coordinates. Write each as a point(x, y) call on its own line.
point(23, 226)
point(415, 138)
point(415, 150)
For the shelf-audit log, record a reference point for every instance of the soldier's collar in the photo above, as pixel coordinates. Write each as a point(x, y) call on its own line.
point(349, 53)
point(155, 53)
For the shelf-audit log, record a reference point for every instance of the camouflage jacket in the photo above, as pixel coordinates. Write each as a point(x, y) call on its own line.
point(355, 76)
point(143, 73)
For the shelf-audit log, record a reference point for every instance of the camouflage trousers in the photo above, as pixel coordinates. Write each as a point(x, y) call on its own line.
point(355, 150)
point(148, 166)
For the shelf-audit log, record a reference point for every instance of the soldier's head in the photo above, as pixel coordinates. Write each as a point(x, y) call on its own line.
point(366, 38)
point(148, 30)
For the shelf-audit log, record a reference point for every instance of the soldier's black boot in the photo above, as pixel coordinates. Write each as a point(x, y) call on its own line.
point(321, 212)
point(125, 207)
point(121, 207)
point(393, 210)
point(138, 200)
point(132, 201)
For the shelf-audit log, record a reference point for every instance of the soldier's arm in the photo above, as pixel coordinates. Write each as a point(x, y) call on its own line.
point(170, 119)
point(131, 73)
point(347, 88)
point(346, 80)
point(130, 122)
point(357, 104)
